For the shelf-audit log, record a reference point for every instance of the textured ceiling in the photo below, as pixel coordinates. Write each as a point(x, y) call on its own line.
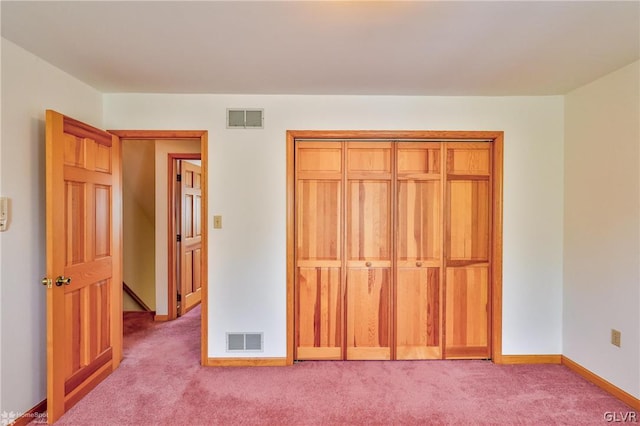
point(326, 47)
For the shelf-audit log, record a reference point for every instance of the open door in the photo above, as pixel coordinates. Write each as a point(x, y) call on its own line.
point(84, 259)
point(190, 235)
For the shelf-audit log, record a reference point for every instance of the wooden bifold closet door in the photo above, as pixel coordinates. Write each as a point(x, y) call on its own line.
point(369, 249)
point(419, 251)
point(319, 238)
point(468, 250)
point(392, 250)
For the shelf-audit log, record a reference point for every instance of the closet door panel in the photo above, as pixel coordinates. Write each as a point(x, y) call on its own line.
point(418, 313)
point(319, 325)
point(369, 220)
point(418, 160)
point(318, 160)
point(418, 235)
point(368, 303)
point(467, 307)
point(469, 158)
point(319, 220)
point(393, 250)
point(319, 329)
point(468, 250)
point(369, 249)
point(369, 159)
point(419, 232)
point(468, 226)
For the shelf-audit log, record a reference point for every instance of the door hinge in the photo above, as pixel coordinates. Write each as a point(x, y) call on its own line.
point(179, 178)
point(178, 237)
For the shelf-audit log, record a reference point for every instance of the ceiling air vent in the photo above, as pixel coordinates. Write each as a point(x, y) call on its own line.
point(245, 342)
point(245, 118)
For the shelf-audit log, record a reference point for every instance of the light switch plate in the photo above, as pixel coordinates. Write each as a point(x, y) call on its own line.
point(217, 222)
point(615, 337)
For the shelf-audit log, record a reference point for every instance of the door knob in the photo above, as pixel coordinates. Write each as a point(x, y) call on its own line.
point(46, 282)
point(62, 280)
point(368, 264)
point(418, 264)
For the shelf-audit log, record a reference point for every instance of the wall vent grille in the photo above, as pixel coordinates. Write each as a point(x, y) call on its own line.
point(245, 118)
point(245, 342)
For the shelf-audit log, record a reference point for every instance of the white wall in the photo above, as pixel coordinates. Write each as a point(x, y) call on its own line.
point(29, 86)
point(247, 186)
point(602, 227)
point(1, 194)
point(162, 149)
point(138, 222)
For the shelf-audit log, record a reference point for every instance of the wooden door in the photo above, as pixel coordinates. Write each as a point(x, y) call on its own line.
point(319, 238)
point(190, 235)
point(468, 250)
point(369, 278)
point(84, 249)
point(419, 250)
point(393, 250)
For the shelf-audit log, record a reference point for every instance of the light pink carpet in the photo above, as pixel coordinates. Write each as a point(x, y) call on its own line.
point(160, 382)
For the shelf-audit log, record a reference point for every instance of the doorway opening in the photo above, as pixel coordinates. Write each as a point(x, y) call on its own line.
point(168, 151)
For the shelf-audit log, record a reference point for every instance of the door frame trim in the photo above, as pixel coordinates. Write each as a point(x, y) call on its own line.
point(203, 136)
point(497, 139)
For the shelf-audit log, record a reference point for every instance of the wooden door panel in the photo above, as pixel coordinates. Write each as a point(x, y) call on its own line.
point(319, 210)
point(368, 159)
point(469, 225)
point(191, 232)
point(187, 175)
point(72, 353)
point(369, 249)
point(369, 220)
point(188, 264)
point(419, 231)
point(75, 222)
point(426, 203)
point(418, 313)
point(468, 249)
point(318, 320)
point(102, 223)
point(467, 291)
point(417, 159)
point(197, 214)
point(100, 315)
point(192, 299)
point(87, 153)
point(90, 338)
point(84, 245)
point(419, 245)
point(73, 150)
point(469, 158)
point(319, 160)
point(319, 328)
point(187, 229)
point(103, 158)
point(197, 273)
point(89, 241)
point(368, 319)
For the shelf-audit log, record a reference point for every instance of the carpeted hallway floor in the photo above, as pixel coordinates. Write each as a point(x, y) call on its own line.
point(160, 382)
